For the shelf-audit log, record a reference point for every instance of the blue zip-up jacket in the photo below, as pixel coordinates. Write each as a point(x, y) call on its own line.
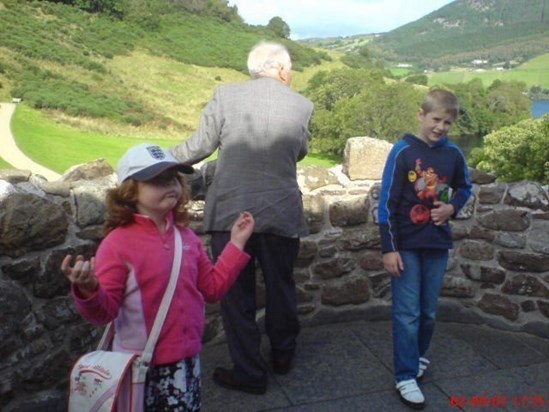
point(415, 176)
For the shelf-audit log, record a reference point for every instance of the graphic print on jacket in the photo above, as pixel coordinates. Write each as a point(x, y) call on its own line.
point(429, 188)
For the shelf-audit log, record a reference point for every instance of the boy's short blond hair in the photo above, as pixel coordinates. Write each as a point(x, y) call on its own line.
point(441, 99)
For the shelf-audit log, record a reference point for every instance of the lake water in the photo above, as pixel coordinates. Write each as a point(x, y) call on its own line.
point(539, 108)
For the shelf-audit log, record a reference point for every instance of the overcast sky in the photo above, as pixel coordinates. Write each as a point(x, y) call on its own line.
point(329, 18)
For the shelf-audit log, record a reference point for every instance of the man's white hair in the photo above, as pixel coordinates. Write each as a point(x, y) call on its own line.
point(267, 58)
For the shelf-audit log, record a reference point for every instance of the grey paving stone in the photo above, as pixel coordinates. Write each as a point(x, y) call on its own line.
point(331, 362)
point(377, 336)
point(382, 401)
point(217, 399)
point(453, 357)
point(348, 367)
point(497, 346)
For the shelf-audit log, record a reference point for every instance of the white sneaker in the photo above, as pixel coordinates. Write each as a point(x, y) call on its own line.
point(423, 363)
point(410, 394)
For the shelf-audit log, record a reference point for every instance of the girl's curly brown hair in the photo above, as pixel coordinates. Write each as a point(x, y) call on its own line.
point(122, 204)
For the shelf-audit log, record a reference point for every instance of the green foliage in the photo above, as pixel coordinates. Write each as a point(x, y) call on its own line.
point(44, 90)
point(279, 27)
point(420, 79)
point(358, 61)
point(508, 102)
point(325, 89)
point(213, 8)
point(352, 103)
point(518, 152)
point(484, 110)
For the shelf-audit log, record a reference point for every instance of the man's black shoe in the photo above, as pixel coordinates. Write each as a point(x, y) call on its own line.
point(225, 377)
point(282, 366)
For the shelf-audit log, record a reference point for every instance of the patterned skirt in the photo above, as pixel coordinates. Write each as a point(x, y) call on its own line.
point(174, 387)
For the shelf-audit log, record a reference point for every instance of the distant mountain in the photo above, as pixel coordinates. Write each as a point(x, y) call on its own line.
point(466, 30)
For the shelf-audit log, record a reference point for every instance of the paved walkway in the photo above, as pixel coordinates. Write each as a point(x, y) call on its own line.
point(9, 150)
point(347, 367)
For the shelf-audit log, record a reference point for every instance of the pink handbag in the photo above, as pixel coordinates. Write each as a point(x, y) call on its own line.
point(108, 381)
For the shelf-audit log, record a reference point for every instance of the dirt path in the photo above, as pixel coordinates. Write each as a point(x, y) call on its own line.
point(9, 150)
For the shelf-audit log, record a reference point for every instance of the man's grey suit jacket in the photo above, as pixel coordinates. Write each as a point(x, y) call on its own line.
point(261, 128)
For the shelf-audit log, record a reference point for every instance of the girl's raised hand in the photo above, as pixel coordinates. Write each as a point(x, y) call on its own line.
point(82, 274)
point(242, 229)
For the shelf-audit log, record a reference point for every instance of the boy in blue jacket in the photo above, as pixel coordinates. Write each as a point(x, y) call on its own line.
point(425, 183)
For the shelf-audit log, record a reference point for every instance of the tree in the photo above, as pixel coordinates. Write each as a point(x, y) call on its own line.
point(352, 103)
point(518, 152)
point(484, 110)
point(279, 27)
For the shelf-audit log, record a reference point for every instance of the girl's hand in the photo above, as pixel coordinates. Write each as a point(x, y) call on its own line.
point(242, 229)
point(82, 274)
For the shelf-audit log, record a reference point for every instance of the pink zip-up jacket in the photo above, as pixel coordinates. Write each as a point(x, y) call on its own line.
point(133, 266)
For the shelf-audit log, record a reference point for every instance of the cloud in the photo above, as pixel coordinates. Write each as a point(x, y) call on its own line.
point(319, 18)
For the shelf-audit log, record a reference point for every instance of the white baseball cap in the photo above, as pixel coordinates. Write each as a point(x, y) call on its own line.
point(145, 161)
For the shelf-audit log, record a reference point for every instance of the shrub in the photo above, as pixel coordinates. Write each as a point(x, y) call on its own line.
point(518, 152)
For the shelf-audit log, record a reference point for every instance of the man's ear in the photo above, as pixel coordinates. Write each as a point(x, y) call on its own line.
point(420, 114)
point(283, 74)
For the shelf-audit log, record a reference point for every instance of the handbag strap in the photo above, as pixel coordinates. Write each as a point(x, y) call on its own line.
point(146, 356)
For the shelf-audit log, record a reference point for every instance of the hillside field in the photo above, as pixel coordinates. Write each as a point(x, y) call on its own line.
point(534, 72)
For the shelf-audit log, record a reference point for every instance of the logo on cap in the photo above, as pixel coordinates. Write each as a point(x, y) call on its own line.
point(156, 152)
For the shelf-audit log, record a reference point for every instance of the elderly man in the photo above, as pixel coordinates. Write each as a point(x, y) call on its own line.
point(261, 128)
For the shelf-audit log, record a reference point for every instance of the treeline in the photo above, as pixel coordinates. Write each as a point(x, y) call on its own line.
point(147, 9)
point(360, 102)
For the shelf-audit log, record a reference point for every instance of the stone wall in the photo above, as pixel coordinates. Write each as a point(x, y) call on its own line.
point(498, 273)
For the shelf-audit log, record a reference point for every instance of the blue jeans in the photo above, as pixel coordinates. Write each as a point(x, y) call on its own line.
point(415, 295)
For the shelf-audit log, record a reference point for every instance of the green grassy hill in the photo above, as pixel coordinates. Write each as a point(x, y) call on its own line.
point(143, 74)
point(465, 30)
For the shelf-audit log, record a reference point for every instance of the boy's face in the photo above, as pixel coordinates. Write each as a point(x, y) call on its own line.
point(434, 125)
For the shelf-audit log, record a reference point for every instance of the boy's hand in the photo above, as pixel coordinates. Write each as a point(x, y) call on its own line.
point(441, 212)
point(242, 229)
point(392, 262)
point(82, 274)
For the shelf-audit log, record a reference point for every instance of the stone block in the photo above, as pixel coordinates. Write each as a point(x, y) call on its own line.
point(364, 158)
point(523, 261)
point(347, 291)
point(508, 219)
point(499, 305)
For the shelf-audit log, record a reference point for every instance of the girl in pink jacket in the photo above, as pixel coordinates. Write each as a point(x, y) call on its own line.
point(127, 279)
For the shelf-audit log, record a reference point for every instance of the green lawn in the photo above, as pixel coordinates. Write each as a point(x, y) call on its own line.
point(59, 147)
point(4, 164)
point(534, 72)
